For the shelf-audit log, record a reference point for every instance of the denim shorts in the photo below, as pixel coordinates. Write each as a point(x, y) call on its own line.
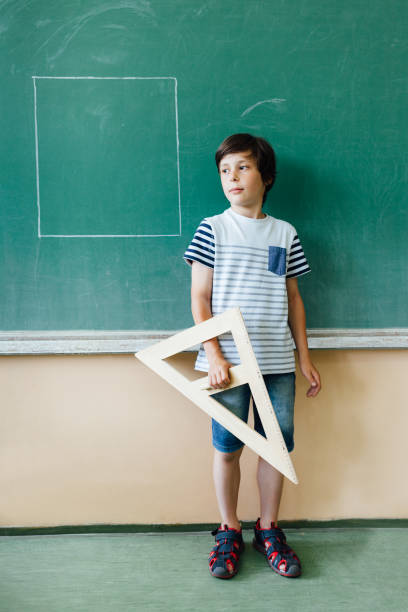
point(281, 389)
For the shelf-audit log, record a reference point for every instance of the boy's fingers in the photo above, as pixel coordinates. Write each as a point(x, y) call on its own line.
point(222, 379)
point(219, 379)
point(213, 381)
point(315, 385)
point(225, 377)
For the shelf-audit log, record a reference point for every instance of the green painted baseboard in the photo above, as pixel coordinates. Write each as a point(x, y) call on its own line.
point(194, 527)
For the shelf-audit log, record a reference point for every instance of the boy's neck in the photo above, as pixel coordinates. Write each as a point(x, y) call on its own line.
point(252, 212)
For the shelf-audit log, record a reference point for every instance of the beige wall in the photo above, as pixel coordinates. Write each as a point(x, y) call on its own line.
point(101, 439)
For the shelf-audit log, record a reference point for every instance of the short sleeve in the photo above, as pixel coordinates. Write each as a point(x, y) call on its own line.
point(202, 246)
point(297, 262)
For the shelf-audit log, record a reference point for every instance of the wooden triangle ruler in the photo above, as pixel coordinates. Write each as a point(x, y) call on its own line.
point(272, 448)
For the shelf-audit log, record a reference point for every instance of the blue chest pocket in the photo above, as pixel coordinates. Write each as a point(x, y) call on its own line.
point(277, 260)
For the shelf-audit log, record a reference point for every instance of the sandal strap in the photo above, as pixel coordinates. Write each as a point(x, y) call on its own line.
point(231, 536)
point(274, 532)
point(227, 544)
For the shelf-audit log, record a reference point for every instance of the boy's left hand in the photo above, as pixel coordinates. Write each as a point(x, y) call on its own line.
point(309, 371)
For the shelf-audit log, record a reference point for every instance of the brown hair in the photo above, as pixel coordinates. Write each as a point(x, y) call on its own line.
point(261, 150)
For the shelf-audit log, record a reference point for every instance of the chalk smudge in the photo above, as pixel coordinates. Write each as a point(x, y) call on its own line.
point(270, 101)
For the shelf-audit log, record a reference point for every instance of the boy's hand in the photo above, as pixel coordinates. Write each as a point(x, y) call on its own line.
point(218, 374)
point(309, 371)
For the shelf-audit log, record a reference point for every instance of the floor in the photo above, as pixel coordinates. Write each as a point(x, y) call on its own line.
point(351, 569)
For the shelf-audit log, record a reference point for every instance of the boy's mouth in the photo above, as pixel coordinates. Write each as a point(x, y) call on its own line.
point(236, 190)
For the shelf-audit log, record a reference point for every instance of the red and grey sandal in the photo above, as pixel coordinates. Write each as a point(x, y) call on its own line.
point(280, 557)
point(224, 556)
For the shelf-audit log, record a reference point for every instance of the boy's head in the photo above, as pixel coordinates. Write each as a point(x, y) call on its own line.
point(260, 150)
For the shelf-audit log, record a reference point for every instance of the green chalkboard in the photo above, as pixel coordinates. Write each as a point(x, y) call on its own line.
point(110, 116)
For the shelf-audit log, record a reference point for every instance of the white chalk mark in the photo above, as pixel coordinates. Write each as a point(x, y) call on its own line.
point(37, 176)
point(271, 100)
point(37, 158)
point(105, 78)
point(40, 23)
point(178, 151)
point(106, 235)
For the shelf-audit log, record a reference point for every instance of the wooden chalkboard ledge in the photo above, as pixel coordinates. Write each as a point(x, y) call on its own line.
point(111, 342)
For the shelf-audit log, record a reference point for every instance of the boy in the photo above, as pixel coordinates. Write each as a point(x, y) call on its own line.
point(244, 257)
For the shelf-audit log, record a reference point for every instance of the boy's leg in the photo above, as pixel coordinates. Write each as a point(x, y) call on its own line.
point(269, 538)
point(281, 390)
point(224, 556)
point(227, 452)
point(270, 484)
point(227, 476)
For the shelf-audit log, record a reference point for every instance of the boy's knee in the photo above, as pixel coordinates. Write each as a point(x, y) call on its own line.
point(229, 457)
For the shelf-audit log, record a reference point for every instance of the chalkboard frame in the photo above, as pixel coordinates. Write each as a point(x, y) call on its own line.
point(85, 342)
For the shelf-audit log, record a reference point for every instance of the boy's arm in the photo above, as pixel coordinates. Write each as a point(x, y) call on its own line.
point(297, 324)
point(201, 291)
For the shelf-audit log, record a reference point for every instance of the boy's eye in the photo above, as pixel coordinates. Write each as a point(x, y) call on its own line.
point(241, 167)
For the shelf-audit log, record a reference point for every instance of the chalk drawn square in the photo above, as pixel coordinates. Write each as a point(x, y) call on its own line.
point(107, 156)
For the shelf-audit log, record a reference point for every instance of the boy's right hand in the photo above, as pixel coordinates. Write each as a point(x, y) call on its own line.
point(218, 373)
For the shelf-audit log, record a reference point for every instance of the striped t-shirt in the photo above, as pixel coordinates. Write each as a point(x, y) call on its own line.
point(251, 259)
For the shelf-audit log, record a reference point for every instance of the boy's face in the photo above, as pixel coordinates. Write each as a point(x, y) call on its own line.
point(241, 180)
